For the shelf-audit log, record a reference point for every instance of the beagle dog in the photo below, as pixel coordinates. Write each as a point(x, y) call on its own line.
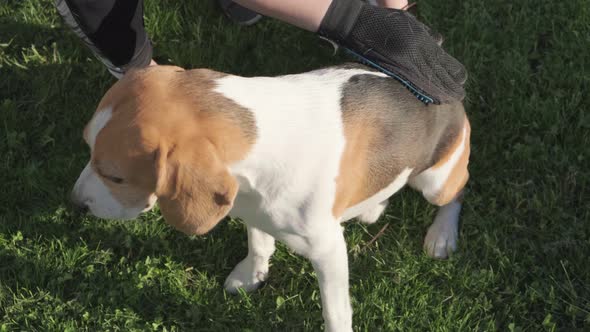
point(293, 156)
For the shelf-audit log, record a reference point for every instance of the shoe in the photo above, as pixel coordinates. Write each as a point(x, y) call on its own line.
point(239, 14)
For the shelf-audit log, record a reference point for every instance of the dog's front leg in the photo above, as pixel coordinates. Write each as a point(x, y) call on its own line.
point(252, 270)
point(330, 262)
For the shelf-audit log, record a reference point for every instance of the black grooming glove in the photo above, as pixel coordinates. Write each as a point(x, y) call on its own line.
point(396, 43)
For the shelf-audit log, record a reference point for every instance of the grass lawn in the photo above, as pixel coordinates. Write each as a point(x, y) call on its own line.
point(523, 258)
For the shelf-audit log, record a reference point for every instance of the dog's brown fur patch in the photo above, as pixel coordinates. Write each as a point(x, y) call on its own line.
point(387, 130)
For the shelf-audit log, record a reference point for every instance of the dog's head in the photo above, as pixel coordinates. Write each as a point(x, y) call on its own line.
point(145, 147)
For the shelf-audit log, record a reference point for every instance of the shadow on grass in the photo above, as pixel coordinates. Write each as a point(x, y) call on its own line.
point(103, 289)
point(105, 267)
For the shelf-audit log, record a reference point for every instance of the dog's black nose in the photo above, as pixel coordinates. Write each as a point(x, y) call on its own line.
point(78, 205)
point(83, 208)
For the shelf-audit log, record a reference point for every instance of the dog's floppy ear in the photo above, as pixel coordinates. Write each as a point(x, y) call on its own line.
point(194, 188)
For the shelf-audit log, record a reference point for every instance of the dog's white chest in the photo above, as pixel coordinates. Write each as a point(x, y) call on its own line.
point(288, 179)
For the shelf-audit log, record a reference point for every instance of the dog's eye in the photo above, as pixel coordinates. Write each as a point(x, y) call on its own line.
point(114, 179)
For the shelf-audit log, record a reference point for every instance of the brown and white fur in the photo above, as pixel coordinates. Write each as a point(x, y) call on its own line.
point(294, 156)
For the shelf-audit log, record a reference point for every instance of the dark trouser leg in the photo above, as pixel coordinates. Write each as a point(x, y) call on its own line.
point(112, 29)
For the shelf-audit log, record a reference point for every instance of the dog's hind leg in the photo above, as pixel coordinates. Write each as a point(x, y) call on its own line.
point(372, 215)
point(442, 235)
point(252, 270)
point(443, 185)
point(441, 238)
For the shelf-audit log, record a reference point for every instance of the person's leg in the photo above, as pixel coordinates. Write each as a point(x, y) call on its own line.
point(397, 4)
point(305, 14)
point(390, 40)
point(112, 29)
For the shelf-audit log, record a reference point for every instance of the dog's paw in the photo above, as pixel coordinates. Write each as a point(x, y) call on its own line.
point(441, 240)
point(247, 275)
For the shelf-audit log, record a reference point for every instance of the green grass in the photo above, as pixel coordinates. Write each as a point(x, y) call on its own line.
point(523, 259)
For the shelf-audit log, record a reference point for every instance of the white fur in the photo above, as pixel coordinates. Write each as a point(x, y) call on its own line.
point(90, 191)
point(290, 172)
point(431, 181)
point(100, 119)
point(372, 215)
point(287, 182)
point(379, 197)
point(253, 269)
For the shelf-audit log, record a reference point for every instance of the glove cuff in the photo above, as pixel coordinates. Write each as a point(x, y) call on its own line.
point(340, 19)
